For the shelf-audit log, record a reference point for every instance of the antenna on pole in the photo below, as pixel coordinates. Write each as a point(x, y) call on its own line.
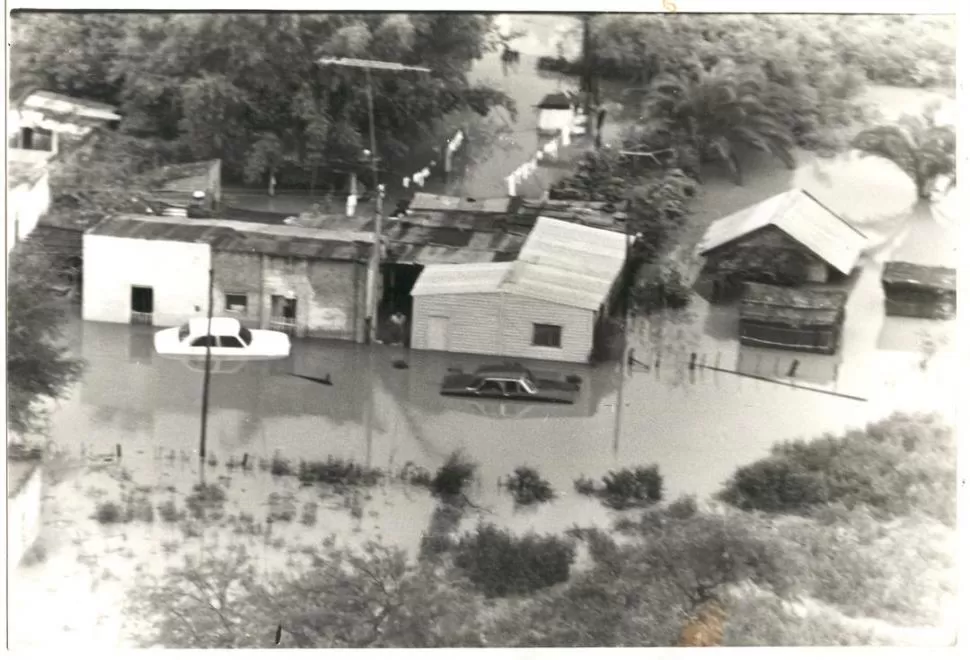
point(205, 381)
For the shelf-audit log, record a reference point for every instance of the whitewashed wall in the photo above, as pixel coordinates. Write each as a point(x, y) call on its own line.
point(25, 205)
point(178, 273)
point(23, 518)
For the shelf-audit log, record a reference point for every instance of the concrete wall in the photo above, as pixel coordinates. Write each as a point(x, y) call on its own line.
point(25, 205)
point(502, 324)
point(23, 518)
point(329, 295)
point(178, 273)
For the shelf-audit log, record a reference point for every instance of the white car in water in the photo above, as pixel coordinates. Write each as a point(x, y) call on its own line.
point(228, 339)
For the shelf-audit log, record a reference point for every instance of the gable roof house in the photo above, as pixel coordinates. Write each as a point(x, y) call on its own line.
point(788, 239)
point(42, 126)
point(546, 304)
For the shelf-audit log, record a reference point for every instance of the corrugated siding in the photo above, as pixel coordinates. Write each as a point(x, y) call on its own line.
point(519, 314)
point(502, 324)
point(474, 321)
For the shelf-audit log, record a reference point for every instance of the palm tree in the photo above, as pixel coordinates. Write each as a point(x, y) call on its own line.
point(918, 145)
point(717, 110)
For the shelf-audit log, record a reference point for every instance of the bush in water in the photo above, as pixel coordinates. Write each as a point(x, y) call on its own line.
point(527, 487)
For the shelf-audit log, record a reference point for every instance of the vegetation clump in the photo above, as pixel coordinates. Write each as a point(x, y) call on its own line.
point(454, 476)
point(899, 466)
point(338, 471)
point(109, 513)
point(627, 488)
point(500, 564)
point(205, 499)
point(659, 288)
point(527, 487)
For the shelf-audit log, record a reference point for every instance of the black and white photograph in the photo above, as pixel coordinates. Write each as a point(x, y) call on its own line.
point(563, 327)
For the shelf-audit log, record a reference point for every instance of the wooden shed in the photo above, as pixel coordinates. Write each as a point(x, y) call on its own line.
point(928, 292)
point(807, 320)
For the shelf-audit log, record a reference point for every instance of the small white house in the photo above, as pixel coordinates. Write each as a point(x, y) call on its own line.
point(160, 279)
point(556, 112)
point(545, 305)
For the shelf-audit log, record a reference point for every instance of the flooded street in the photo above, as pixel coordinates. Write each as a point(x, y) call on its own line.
point(698, 425)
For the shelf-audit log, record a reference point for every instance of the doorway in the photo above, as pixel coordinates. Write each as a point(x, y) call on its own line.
point(283, 314)
point(437, 333)
point(142, 305)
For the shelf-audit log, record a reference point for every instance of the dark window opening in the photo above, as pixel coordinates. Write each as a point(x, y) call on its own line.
point(230, 342)
point(237, 302)
point(547, 335)
point(207, 340)
point(284, 308)
point(142, 299)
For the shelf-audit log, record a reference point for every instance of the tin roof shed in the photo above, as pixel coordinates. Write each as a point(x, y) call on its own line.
point(802, 217)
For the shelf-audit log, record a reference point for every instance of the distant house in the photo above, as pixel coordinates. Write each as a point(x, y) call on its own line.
point(789, 239)
point(155, 270)
point(919, 291)
point(547, 304)
point(556, 112)
point(794, 319)
point(41, 126)
point(42, 120)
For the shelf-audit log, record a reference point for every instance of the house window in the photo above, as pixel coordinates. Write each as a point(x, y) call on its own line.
point(237, 302)
point(547, 335)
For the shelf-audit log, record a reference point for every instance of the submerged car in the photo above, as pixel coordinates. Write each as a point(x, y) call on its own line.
point(509, 382)
point(228, 339)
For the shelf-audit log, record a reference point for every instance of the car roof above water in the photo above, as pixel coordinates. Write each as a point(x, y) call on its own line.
point(513, 371)
point(221, 325)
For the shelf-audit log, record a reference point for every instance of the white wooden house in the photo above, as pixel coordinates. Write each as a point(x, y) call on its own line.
point(544, 305)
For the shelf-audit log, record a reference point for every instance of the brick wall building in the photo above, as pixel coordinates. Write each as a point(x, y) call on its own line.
point(308, 282)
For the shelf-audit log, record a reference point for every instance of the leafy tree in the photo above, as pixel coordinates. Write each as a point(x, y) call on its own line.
point(369, 598)
point(719, 111)
point(39, 365)
point(202, 82)
point(899, 466)
point(923, 149)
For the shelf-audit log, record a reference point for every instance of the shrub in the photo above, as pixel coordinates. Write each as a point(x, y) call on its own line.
point(309, 516)
point(280, 467)
point(902, 465)
point(626, 488)
point(338, 471)
point(500, 564)
point(527, 487)
point(109, 513)
point(660, 287)
point(205, 498)
point(415, 475)
point(454, 476)
point(169, 512)
point(584, 486)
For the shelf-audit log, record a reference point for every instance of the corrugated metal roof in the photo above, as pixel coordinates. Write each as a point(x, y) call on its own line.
point(239, 236)
point(61, 104)
point(560, 262)
point(903, 274)
point(422, 202)
point(802, 217)
point(461, 278)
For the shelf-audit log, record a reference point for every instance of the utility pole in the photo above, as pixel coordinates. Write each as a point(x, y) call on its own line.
point(205, 380)
point(375, 262)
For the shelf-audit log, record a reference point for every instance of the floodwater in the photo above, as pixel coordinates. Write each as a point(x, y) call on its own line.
point(698, 425)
